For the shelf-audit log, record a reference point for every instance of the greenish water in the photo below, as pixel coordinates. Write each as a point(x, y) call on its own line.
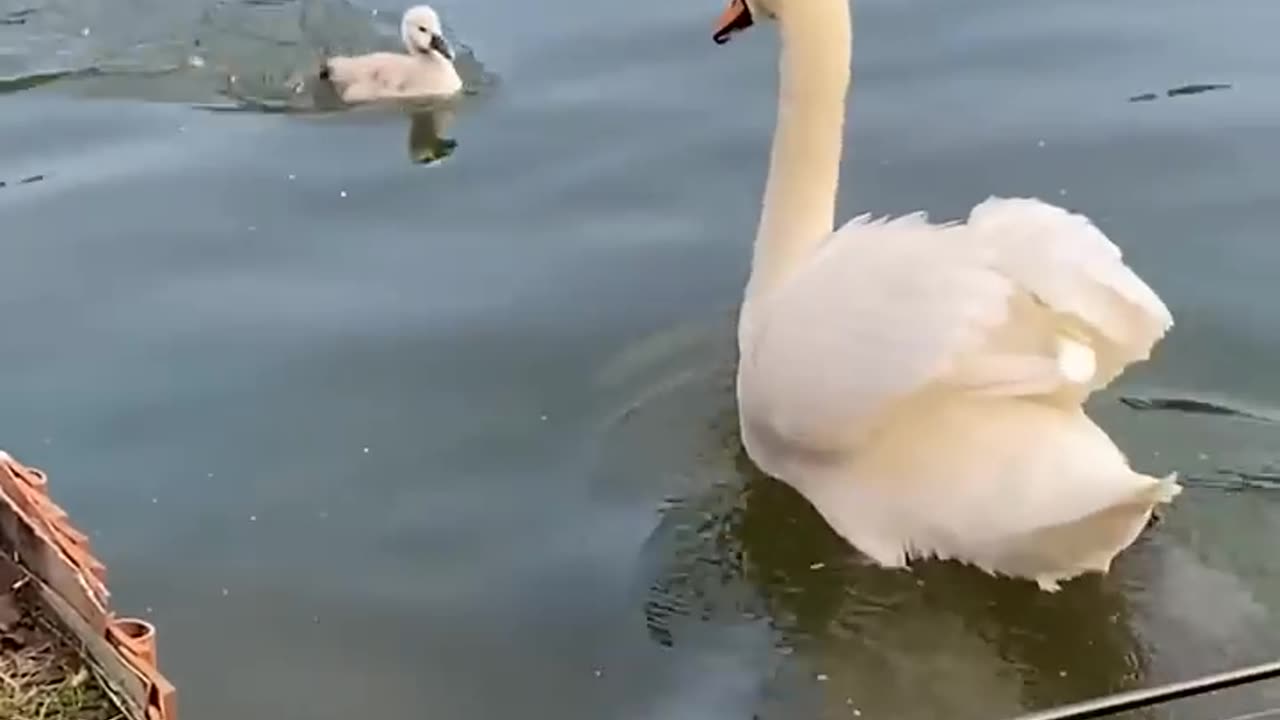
point(457, 440)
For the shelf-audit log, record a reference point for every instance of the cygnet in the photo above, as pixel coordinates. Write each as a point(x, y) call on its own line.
point(427, 70)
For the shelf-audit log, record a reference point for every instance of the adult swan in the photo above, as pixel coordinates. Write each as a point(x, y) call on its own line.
point(922, 385)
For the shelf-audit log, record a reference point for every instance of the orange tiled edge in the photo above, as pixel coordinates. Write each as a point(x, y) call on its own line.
point(52, 549)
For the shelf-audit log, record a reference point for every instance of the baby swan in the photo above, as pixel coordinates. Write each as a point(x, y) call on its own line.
point(426, 72)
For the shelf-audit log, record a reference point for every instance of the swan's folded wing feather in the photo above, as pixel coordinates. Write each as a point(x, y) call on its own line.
point(883, 308)
point(368, 77)
point(1072, 267)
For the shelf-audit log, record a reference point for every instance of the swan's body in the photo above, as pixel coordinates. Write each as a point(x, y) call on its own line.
point(427, 71)
point(920, 384)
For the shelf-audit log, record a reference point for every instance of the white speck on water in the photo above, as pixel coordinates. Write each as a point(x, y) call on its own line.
point(597, 672)
point(1040, 143)
point(253, 518)
point(225, 592)
point(1063, 192)
point(366, 450)
point(150, 611)
point(195, 61)
point(1203, 456)
point(253, 228)
point(543, 417)
point(292, 176)
point(822, 677)
point(155, 501)
point(817, 566)
point(210, 476)
point(1062, 673)
point(84, 32)
point(232, 79)
point(342, 193)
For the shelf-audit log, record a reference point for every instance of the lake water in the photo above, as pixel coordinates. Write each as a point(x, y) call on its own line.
point(458, 439)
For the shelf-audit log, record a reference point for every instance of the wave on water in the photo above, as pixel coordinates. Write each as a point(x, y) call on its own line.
point(258, 55)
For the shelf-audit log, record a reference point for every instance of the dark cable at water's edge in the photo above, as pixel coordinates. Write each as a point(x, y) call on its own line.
point(1120, 702)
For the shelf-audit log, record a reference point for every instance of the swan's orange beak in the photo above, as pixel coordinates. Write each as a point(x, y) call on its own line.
point(736, 17)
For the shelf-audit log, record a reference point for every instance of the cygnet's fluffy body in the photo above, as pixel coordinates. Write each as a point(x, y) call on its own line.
point(427, 71)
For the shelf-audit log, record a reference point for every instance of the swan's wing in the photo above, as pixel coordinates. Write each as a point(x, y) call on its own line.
point(879, 312)
point(886, 309)
point(1069, 265)
point(368, 77)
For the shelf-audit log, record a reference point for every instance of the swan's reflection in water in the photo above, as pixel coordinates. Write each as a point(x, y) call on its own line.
point(429, 120)
point(427, 142)
point(735, 551)
point(941, 641)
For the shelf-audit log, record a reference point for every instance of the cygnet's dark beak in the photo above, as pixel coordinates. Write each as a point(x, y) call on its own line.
point(440, 45)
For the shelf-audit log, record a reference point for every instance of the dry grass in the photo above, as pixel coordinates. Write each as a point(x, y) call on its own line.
point(41, 678)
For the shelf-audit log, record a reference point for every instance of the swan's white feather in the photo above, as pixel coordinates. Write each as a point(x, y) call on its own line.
point(882, 309)
point(1069, 264)
point(921, 384)
point(387, 76)
point(886, 308)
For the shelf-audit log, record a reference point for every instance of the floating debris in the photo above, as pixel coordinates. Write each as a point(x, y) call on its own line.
point(17, 17)
point(1193, 89)
point(1267, 478)
point(1189, 405)
point(24, 181)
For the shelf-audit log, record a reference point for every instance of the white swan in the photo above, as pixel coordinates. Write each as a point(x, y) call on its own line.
point(922, 385)
point(426, 72)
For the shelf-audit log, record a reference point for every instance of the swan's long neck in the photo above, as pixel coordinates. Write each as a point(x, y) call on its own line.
point(804, 166)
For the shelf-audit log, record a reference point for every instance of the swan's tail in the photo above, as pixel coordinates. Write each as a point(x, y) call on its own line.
point(1015, 487)
point(1091, 543)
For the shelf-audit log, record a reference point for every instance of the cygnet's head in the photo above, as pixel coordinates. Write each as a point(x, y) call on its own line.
point(423, 34)
point(742, 14)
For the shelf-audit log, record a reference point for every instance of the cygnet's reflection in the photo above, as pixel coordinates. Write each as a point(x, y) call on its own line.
point(429, 120)
point(427, 142)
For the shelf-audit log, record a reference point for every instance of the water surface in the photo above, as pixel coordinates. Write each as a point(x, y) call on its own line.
point(458, 439)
